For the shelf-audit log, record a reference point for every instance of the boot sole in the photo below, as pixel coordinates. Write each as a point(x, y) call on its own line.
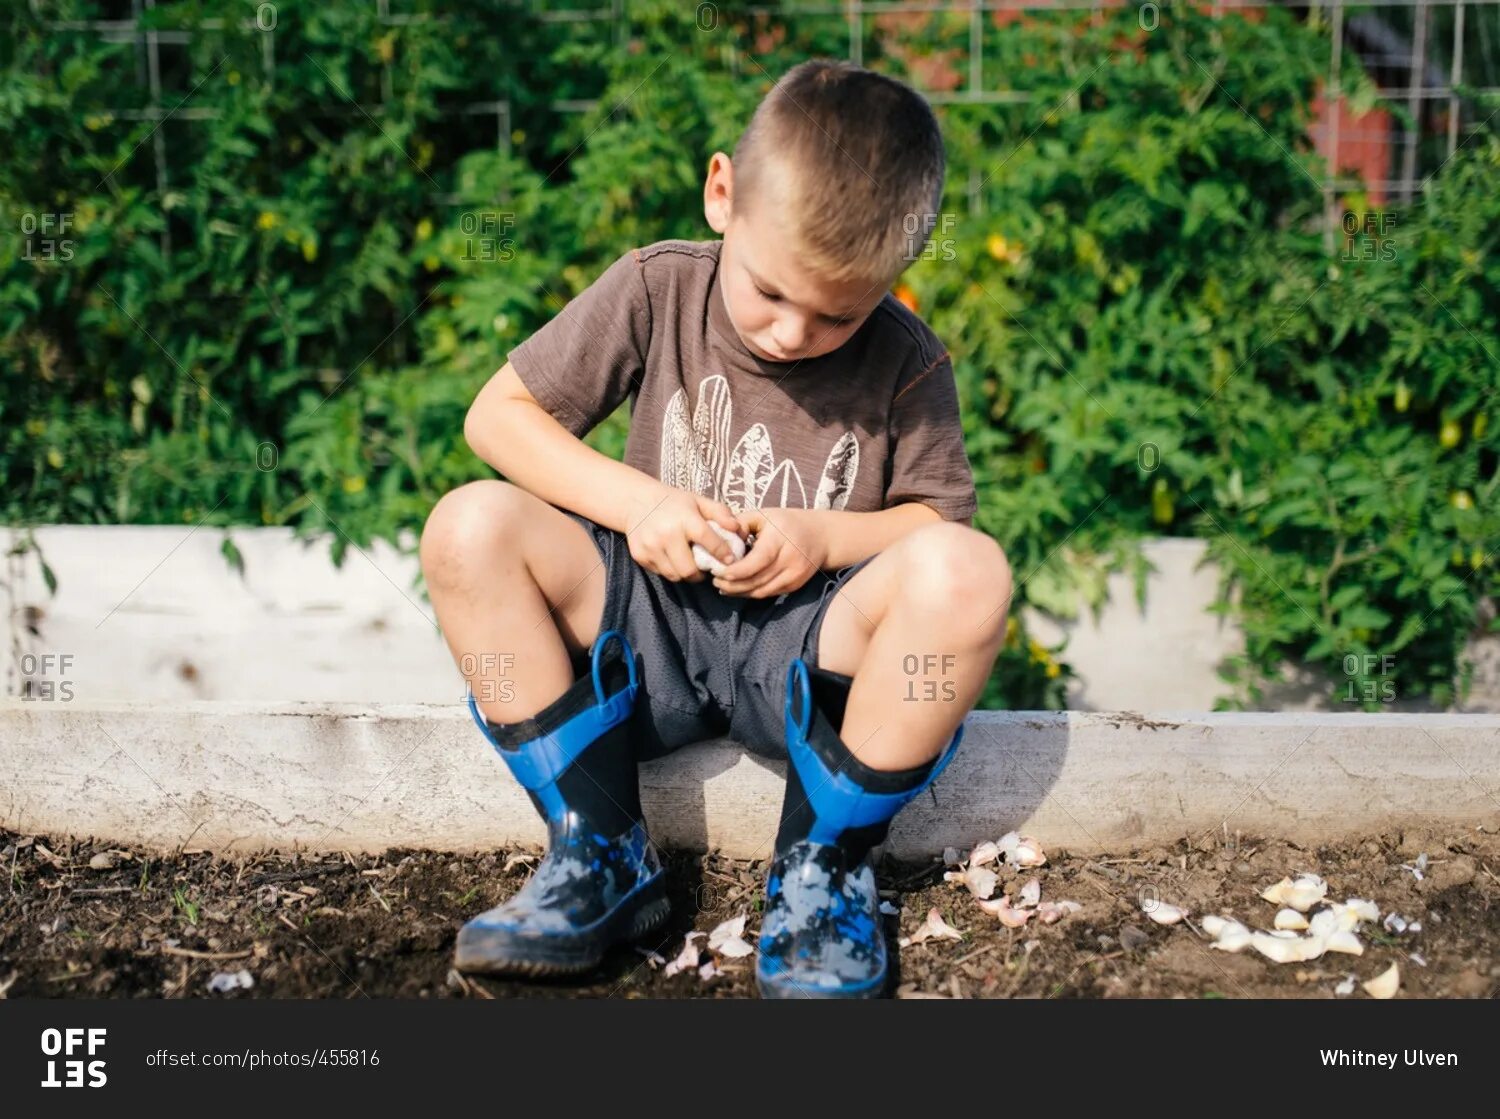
point(790, 989)
point(499, 951)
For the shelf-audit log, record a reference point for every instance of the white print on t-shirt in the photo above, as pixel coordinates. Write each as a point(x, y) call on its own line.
point(693, 457)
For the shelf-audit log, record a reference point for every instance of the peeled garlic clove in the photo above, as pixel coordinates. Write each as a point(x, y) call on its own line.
point(1362, 909)
point(1344, 941)
point(986, 852)
point(1236, 939)
point(1008, 842)
point(1305, 892)
point(1285, 950)
point(1214, 925)
point(1345, 988)
point(1163, 913)
point(1302, 894)
point(1395, 923)
point(1000, 908)
point(1384, 985)
point(1290, 919)
point(951, 857)
point(1276, 894)
point(1030, 895)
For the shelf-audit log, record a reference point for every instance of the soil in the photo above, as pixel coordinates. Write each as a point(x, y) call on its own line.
point(84, 918)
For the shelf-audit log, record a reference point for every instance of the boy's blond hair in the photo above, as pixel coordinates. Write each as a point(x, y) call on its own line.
point(861, 165)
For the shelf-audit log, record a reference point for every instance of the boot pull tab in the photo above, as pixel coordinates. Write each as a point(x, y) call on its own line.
point(799, 686)
point(599, 647)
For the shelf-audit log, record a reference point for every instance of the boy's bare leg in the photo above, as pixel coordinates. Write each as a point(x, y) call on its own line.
point(518, 588)
point(918, 628)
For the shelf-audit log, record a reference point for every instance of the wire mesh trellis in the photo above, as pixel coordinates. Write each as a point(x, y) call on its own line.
point(1412, 71)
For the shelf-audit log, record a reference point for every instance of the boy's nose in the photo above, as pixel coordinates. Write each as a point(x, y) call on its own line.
point(790, 334)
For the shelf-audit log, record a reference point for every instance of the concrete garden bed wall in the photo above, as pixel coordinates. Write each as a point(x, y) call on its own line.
point(155, 613)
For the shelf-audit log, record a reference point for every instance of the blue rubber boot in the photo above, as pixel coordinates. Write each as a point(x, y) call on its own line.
point(601, 880)
point(821, 934)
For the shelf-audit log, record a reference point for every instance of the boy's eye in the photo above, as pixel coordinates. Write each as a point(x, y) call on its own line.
point(767, 295)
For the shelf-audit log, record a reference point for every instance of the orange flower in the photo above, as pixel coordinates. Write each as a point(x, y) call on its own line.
point(906, 295)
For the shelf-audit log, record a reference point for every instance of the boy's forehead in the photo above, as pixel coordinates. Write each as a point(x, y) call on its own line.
point(770, 253)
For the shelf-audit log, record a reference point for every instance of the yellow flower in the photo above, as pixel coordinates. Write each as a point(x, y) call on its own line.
point(424, 229)
point(518, 136)
point(309, 250)
point(1460, 499)
point(54, 458)
point(267, 220)
point(1012, 632)
point(1450, 434)
point(1481, 425)
point(1403, 396)
point(36, 427)
point(354, 484)
point(233, 77)
point(431, 263)
point(1053, 671)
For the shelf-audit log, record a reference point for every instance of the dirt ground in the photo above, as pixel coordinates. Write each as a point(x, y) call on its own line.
point(81, 918)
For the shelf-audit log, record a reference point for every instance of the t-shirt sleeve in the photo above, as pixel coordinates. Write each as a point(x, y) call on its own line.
point(928, 461)
point(591, 355)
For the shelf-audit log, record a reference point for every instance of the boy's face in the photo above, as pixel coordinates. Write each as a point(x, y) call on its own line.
point(782, 310)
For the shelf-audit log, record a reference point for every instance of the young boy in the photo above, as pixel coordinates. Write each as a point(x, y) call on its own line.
point(780, 395)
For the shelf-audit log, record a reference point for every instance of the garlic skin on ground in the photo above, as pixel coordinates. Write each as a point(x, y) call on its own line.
point(1001, 908)
point(933, 927)
point(1021, 850)
point(980, 880)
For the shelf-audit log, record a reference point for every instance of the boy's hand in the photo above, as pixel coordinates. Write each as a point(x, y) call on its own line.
point(663, 540)
point(789, 548)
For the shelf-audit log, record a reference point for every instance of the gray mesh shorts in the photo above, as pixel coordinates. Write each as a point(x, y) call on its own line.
point(714, 664)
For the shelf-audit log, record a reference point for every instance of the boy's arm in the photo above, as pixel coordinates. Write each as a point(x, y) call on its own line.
point(508, 429)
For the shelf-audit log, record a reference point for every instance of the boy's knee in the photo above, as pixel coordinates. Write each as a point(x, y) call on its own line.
point(476, 519)
point(952, 568)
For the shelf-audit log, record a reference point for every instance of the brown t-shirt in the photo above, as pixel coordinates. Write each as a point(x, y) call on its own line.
point(873, 424)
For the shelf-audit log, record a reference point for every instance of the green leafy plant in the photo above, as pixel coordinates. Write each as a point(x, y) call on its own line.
point(284, 322)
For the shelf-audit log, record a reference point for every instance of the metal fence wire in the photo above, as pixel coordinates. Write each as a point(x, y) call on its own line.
point(1418, 52)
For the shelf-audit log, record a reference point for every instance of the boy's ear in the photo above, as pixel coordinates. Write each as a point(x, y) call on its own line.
point(718, 192)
